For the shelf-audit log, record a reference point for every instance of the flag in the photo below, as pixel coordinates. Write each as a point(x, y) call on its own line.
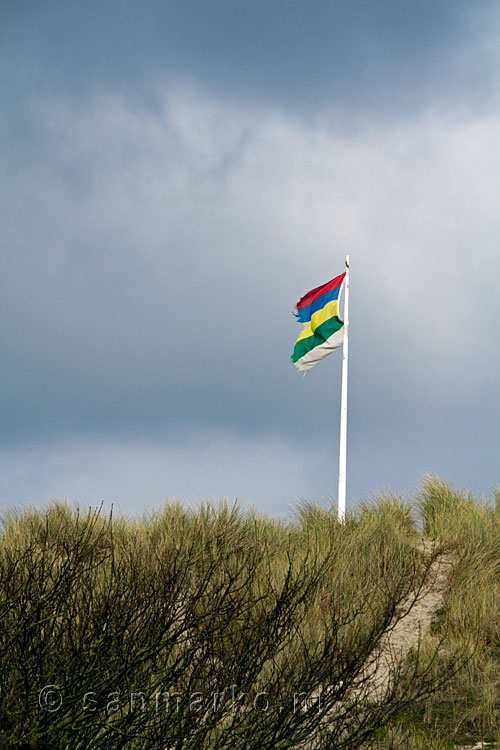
point(322, 331)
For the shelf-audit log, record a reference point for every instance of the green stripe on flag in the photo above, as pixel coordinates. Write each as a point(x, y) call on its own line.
point(321, 334)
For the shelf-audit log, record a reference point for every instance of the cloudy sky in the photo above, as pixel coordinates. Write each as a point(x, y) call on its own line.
point(175, 174)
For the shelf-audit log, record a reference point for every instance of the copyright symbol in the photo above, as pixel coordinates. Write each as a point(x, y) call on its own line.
point(50, 698)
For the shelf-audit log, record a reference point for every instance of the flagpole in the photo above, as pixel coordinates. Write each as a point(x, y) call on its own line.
point(343, 402)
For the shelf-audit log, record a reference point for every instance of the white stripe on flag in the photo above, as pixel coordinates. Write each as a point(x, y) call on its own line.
point(321, 351)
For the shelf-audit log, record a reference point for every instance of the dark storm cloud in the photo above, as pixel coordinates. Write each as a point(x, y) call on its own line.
point(382, 55)
point(150, 263)
point(165, 203)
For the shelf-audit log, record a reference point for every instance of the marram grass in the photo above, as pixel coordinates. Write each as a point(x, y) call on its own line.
point(197, 596)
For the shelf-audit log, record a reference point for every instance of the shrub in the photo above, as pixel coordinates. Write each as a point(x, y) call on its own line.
point(208, 628)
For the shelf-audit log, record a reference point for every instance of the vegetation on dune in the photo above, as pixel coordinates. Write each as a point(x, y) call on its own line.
point(465, 711)
point(218, 628)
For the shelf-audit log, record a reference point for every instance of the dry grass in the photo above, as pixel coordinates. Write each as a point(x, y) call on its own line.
point(466, 711)
point(325, 599)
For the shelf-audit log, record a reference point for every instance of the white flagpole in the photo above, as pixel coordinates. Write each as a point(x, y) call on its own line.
point(343, 402)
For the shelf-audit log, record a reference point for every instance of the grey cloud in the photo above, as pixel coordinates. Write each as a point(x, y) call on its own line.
point(383, 56)
point(135, 294)
point(175, 175)
point(150, 263)
point(134, 475)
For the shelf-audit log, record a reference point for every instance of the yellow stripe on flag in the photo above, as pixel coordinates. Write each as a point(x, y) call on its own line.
point(319, 317)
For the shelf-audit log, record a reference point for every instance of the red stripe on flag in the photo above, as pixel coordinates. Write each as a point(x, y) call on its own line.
point(314, 293)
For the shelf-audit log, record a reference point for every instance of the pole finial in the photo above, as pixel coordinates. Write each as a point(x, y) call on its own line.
point(347, 261)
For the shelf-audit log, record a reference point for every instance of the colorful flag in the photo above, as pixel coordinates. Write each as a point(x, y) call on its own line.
point(322, 331)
